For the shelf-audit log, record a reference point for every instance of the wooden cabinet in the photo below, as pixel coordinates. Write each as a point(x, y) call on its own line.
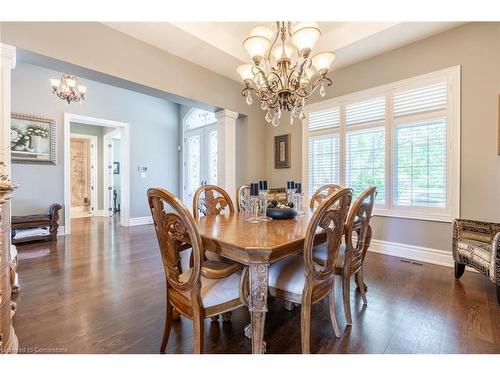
point(8, 338)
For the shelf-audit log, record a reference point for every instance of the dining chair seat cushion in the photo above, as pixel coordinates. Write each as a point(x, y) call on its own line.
point(216, 291)
point(320, 255)
point(288, 275)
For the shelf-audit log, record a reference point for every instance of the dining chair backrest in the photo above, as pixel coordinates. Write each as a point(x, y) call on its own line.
point(174, 227)
point(358, 221)
point(243, 198)
point(330, 218)
point(211, 200)
point(321, 193)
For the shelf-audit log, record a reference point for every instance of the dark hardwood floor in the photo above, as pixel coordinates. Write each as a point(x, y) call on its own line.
point(101, 290)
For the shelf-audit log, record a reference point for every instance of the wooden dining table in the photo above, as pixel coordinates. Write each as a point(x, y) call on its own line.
point(256, 246)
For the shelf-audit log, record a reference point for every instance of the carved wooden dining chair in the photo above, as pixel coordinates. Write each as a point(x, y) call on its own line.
point(351, 257)
point(243, 199)
point(321, 193)
point(299, 279)
point(194, 293)
point(213, 200)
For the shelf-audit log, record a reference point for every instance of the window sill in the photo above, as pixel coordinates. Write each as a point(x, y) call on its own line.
point(413, 215)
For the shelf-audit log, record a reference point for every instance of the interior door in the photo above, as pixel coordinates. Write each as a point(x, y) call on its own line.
point(92, 186)
point(80, 194)
point(109, 176)
point(200, 160)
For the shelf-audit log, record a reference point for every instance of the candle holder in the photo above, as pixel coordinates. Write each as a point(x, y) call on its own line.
point(290, 191)
point(263, 206)
point(298, 198)
point(290, 195)
point(298, 203)
point(254, 203)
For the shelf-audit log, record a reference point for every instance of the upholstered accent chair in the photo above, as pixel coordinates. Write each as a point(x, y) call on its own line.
point(477, 244)
point(299, 279)
point(196, 293)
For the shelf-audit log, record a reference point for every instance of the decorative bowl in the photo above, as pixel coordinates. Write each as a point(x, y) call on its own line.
point(281, 213)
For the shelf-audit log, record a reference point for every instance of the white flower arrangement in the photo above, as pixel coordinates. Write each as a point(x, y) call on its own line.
point(37, 130)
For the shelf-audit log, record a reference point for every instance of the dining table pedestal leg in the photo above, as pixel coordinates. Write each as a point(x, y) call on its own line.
point(257, 305)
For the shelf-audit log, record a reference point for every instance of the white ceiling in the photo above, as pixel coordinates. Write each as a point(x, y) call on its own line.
point(218, 45)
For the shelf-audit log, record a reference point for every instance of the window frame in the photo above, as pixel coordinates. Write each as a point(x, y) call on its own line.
point(453, 127)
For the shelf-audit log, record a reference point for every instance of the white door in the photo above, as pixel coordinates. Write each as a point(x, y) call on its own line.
point(200, 160)
point(108, 159)
point(93, 176)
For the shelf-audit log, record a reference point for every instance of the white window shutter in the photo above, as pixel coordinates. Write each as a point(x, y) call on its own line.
point(422, 99)
point(365, 161)
point(420, 164)
point(323, 161)
point(326, 119)
point(366, 111)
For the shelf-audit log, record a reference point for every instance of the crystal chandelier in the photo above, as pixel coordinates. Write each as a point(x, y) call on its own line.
point(67, 89)
point(283, 74)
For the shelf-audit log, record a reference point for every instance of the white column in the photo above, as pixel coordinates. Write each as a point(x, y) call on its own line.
point(226, 151)
point(7, 62)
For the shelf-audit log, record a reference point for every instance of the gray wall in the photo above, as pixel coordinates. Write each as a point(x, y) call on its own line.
point(474, 46)
point(154, 134)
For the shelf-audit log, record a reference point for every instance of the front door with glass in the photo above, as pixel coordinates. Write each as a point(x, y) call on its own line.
point(200, 160)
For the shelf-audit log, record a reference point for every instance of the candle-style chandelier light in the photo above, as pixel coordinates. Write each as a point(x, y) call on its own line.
point(284, 74)
point(67, 89)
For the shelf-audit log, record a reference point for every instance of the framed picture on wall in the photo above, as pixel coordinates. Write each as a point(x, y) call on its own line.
point(116, 167)
point(282, 151)
point(32, 139)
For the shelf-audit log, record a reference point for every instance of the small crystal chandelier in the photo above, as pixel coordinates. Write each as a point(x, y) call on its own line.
point(67, 89)
point(283, 75)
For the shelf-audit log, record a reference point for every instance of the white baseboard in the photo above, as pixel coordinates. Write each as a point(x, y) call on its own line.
point(61, 231)
point(144, 220)
point(418, 253)
point(101, 213)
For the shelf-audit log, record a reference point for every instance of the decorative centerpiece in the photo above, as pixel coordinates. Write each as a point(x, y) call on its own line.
point(281, 211)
